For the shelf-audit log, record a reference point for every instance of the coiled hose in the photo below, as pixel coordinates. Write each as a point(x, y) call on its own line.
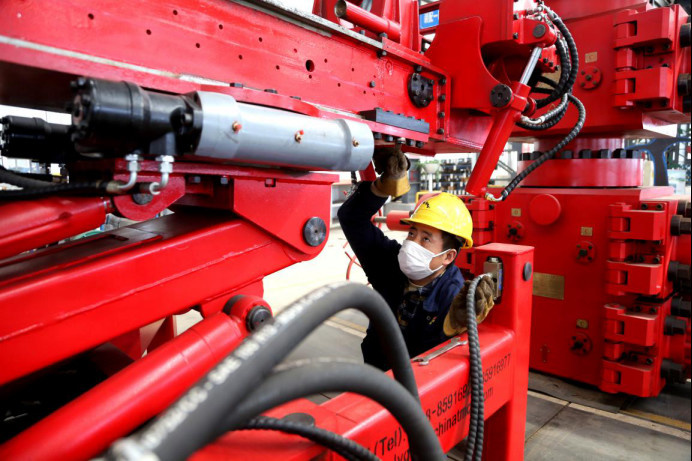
point(194, 419)
point(328, 375)
point(344, 447)
point(561, 87)
point(569, 59)
point(551, 153)
point(474, 440)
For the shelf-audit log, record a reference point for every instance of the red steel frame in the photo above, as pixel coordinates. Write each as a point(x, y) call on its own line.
point(442, 386)
point(599, 311)
point(108, 287)
point(139, 274)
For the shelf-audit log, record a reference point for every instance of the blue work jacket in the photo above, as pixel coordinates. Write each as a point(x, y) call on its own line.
point(378, 257)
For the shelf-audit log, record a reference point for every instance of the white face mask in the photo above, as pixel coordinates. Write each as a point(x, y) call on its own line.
point(414, 260)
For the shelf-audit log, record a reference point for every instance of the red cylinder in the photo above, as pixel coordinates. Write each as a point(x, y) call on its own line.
point(89, 424)
point(367, 20)
point(30, 224)
point(394, 220)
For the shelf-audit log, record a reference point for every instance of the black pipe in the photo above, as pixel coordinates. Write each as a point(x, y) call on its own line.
point(331, 376)
point(474, 440)
point(337, 443)
point(551, 153)
point(197, 415)
point(560, 87)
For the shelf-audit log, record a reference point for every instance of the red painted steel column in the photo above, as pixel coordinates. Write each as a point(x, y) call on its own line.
point(89, 424)
point(31, 224)
point(504, 431)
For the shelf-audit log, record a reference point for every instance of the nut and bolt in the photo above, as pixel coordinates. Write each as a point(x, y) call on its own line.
point(355, 142)
point(236, 127)
point(299, 135)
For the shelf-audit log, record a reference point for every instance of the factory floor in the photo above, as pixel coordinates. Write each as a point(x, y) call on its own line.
point(565, 421)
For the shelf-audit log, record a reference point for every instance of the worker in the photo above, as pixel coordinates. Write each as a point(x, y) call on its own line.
point(418, 279)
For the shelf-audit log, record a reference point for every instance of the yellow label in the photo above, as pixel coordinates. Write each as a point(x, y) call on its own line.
point(591, 57)
point(587, 231)
point(516, 212)
point(549, 285)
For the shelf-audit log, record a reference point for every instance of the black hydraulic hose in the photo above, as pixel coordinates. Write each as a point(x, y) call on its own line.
point(96, 187)
point(571, 45)
point(551, 153)
point(474, 440)
point(18, 180)
point(339, 444)
point(194, 418)
point(33, 188)
point(333, 376)
point(560, 87)
point(551, 121)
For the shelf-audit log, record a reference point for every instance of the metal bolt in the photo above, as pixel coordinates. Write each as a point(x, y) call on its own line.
point(588, 78)
point(645, 206)
point(440, 131)
point(372, 84)
point(442, 98)
point(223, 180)
point(441, 114)
point(515, 35)
point(186, 119)
point(299, 135)
point(443, 81)
point(236, 127)
point(355, 142)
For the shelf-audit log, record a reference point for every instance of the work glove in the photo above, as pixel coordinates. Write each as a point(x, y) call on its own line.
point(455, 322)
point(392, 166)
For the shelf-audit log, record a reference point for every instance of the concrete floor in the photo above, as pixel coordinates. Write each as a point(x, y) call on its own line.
point(582, 424)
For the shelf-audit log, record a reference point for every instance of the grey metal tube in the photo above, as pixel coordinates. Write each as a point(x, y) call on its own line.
point(245, 133)
point(531, 65)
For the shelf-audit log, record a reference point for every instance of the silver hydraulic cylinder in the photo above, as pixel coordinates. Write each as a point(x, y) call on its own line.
point(243, 133)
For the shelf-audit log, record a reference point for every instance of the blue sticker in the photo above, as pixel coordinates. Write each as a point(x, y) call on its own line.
point(430, 19)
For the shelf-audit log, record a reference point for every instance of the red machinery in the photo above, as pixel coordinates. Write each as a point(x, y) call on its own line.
point(612, 286)
point(219, 110)
point(257, 75)
point(612, 283)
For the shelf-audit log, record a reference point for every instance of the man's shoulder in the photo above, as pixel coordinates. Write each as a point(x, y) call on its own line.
point(453, 277)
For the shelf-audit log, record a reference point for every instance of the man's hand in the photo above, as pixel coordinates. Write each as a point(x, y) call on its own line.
point(392, 166)
point(455, 322)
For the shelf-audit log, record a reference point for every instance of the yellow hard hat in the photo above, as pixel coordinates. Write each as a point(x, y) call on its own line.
point(446, 212)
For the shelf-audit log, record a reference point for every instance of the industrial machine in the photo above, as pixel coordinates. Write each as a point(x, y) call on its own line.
point(226, 113)
point(612, 282)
